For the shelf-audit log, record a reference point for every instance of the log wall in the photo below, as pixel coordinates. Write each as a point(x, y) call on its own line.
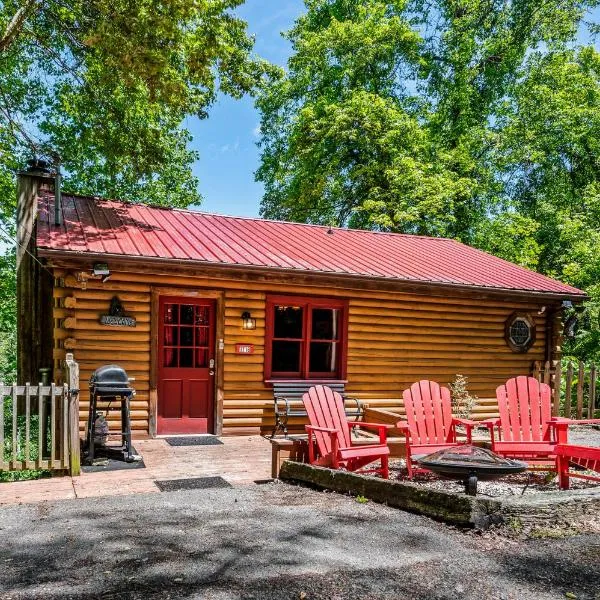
point(394, 338)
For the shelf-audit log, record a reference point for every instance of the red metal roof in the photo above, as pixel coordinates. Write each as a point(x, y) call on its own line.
point(114, 228)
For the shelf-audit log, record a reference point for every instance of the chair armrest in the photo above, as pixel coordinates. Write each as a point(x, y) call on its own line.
point(403, 426)
point(372, 425)
point(490, 423)
point(322, 429)
point(465, 422)
point(565, 421)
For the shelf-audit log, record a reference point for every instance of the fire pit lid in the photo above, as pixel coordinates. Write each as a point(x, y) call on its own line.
point(465, 459)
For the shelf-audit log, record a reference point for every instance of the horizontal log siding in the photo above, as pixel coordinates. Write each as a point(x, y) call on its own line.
point(393, 340)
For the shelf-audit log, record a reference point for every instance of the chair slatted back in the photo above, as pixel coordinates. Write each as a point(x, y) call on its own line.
point(525, 407)
point(325, 408)
point(428, 412)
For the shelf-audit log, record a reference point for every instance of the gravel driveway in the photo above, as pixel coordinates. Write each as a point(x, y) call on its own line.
point(273, 541)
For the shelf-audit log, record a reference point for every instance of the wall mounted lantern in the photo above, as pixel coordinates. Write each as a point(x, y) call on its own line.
point(248, 322)
point(101, 270)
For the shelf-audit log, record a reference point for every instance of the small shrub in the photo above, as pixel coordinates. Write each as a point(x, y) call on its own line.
point(462, 401)
point(361, 499)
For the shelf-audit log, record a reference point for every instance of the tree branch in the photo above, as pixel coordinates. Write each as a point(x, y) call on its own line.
point(16, 23)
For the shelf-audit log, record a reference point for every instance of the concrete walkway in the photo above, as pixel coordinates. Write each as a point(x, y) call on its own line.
point(240, 461)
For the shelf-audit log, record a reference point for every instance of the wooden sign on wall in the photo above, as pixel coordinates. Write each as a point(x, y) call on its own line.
point(115, 316)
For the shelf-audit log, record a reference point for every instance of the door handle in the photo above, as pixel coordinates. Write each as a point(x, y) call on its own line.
point(211, 366)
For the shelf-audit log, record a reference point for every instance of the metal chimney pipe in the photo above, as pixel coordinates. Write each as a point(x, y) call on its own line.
point(57, 197)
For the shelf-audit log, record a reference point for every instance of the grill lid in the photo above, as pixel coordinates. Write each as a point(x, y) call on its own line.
point(110, 378)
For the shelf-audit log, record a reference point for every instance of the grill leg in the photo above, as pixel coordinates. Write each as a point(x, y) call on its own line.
point(126, 429)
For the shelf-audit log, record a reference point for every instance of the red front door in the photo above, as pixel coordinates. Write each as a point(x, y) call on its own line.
point(186, 346)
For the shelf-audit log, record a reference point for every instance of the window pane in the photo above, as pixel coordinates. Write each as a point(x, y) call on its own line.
point(170, 357)
point(171, 313)
point(186, 336)
point(323, 357)
point(286, 357)
point(201, 315)
point(325, 323)
point(202, 336)
point(201, 358)
point(187, 314)
point(288, 322)
point(171, 336)
point(186, 357)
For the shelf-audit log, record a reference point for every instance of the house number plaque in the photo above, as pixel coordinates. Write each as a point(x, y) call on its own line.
point(115, 316)
point(244, 348)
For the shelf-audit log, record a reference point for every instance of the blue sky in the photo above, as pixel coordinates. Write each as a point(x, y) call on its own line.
point(226, 140)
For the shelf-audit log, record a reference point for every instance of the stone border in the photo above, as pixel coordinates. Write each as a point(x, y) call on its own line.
point(547, 509)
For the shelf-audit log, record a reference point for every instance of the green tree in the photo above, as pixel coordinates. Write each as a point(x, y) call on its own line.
point(104, 85)
point(473, 119)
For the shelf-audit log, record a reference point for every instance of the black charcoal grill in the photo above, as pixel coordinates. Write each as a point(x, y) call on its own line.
point(110, 389)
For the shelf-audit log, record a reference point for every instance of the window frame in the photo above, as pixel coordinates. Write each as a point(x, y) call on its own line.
point(308, 303)
point(530, 321)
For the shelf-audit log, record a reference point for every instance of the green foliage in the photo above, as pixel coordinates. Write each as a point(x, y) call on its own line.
point(8, 311)
point(7, 450)
point(105, 86)
point(477, 120)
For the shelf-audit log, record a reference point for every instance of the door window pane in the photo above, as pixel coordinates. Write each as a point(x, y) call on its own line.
point(186, 357)
point(170, 357)
point(288, 322)
point(202, 315)
point(186, 314)
point(286, 357)
point(323, 357)
point(187, 336)
point(201, 358)
point(325, 323)
point(202, 336)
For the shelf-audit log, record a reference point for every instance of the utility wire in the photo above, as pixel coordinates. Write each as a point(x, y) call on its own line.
point(9, 238)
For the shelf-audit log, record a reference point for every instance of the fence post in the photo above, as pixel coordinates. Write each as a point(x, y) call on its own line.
point(72, 381)
point(557, 384)
point(580, 381)
point(592, 396)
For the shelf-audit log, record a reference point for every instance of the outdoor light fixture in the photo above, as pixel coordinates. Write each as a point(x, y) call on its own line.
point(101, 270)
point(248, 322)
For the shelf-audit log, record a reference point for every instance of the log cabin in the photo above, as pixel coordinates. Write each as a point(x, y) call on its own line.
point(207, 312)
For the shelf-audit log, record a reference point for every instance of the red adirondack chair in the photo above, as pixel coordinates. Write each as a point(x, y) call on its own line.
point(526, 428)
point(429, 424)
point(585, 457)
point(330, 429)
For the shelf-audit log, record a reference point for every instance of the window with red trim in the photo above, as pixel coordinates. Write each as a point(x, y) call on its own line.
point(305, 338)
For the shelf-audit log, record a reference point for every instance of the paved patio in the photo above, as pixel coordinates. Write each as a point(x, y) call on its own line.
point(240, 461)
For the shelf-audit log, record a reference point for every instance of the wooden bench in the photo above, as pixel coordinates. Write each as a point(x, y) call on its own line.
point(287, 396)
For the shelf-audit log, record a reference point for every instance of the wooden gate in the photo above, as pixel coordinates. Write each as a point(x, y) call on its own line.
point(39, 425)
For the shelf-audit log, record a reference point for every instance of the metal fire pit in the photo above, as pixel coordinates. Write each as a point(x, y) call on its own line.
point(469, 464)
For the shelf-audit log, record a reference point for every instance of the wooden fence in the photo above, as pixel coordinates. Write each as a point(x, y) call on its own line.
point(574, 388)
point(39, 425)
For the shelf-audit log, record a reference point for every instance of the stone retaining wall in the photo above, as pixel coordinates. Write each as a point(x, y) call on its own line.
point(546, 509)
